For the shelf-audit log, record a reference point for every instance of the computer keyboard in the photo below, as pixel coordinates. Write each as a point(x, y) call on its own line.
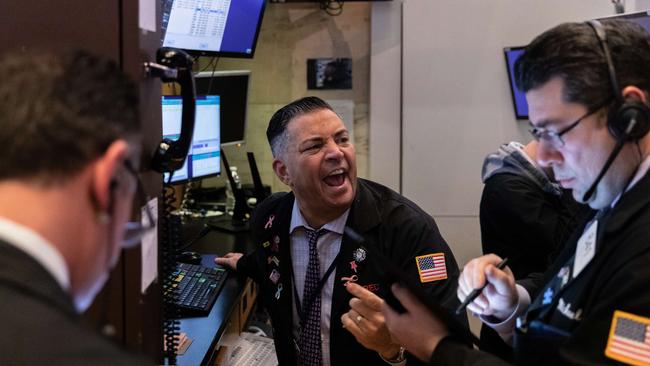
point(198, 287)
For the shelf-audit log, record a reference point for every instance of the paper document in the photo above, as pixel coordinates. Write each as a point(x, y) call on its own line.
point(250, 350)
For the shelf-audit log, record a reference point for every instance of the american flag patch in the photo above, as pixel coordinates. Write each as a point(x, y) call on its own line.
point(431, 267)
point(629, 339)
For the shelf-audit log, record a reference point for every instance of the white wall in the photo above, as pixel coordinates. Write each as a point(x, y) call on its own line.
point(385, 93)
point(455, 99)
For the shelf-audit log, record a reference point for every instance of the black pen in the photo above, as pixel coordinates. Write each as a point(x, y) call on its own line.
point(477, 291)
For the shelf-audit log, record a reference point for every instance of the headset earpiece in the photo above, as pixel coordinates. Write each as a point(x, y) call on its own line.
point(619, 120)
point(624, 111)
point(628, 120)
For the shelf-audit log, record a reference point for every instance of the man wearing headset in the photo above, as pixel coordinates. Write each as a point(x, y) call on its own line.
point(587, 89)
point(70, 141)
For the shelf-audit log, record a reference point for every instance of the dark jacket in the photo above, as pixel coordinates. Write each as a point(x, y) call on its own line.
point(39, 323)
point(524, 217)
point(616, 278)
point(401, 231)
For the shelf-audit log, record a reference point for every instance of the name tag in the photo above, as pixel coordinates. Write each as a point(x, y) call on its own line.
point(586, 249)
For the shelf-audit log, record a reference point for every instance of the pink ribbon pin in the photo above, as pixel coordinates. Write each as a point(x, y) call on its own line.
point(269, 223)
point(347, 280)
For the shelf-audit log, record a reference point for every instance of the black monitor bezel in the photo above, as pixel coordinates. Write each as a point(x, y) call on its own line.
point(511, 81)
point(209, 74)
point(645, 13)
point(199, 53)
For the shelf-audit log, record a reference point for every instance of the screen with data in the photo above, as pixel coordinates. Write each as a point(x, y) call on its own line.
point(232, 88)
point(203, 159)
point(213, 27)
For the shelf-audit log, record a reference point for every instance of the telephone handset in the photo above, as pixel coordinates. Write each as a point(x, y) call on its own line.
point(174, 65)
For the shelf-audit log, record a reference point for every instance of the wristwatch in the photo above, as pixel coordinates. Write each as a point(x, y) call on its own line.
point(397, 359)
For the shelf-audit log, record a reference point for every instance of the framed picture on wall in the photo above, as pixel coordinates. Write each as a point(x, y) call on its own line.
point(329, 73)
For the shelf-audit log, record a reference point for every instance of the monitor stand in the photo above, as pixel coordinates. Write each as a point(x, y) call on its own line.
point(260, 193)
point(238, 222)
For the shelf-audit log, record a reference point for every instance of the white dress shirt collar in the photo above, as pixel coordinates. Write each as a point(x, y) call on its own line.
point(297, 220)
point(37, 247)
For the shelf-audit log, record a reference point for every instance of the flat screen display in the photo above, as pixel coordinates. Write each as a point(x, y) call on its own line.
point(213, 27)
point(232, 88)
point(204, 158)
point(518, 97)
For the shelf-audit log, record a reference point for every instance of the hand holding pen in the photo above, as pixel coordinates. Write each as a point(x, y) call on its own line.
point(498, 299)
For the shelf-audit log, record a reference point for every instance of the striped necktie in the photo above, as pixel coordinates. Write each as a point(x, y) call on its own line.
point(311, 352)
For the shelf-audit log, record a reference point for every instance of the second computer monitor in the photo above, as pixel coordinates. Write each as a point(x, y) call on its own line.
point(518, 96)
point(232, 87)
point(204, 158)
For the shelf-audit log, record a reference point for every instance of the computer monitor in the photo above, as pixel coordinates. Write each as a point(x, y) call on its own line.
point(213, 28)
point(232, 87)
point(513, 53)
point(518, 96)
point(203, 159)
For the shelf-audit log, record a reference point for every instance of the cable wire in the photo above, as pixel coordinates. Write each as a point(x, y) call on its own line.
point(171, 312)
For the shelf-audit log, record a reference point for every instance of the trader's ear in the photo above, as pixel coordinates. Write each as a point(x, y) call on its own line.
point(280, 169)
point(106, 175)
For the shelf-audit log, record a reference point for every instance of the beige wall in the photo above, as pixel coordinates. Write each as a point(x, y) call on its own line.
point(290, 34)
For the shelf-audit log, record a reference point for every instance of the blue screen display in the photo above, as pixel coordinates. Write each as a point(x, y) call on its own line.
point(203, 159)
point(518, 97)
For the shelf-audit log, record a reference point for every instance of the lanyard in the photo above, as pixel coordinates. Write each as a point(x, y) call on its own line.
point(308, 302)
point(544, 310)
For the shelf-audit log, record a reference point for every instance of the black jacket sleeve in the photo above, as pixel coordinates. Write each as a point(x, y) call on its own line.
point(452, 352)
point(521, 222)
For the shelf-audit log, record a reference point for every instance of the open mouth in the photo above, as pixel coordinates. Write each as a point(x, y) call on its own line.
point(336, 178)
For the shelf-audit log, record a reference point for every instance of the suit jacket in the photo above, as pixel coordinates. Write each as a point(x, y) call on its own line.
point(400, 230)
point(39, 323)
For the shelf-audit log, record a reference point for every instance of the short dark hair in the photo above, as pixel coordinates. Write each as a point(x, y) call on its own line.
point(59, 111)
point(275, 132)
point(573, 52)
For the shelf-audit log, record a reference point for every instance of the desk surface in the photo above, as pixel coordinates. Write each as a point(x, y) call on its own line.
point(206, 331)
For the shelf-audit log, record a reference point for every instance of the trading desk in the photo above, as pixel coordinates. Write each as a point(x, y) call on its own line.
point(232, 307)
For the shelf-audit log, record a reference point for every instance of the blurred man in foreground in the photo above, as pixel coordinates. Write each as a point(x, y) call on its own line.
point(70, 145)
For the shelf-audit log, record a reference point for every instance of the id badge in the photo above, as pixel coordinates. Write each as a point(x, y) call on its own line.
point(586, 249)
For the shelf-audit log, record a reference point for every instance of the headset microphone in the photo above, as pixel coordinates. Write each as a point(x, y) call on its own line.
point(617, 149)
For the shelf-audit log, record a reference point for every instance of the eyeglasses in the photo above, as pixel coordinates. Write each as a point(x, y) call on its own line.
point(134, 230)
point(555, 138)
